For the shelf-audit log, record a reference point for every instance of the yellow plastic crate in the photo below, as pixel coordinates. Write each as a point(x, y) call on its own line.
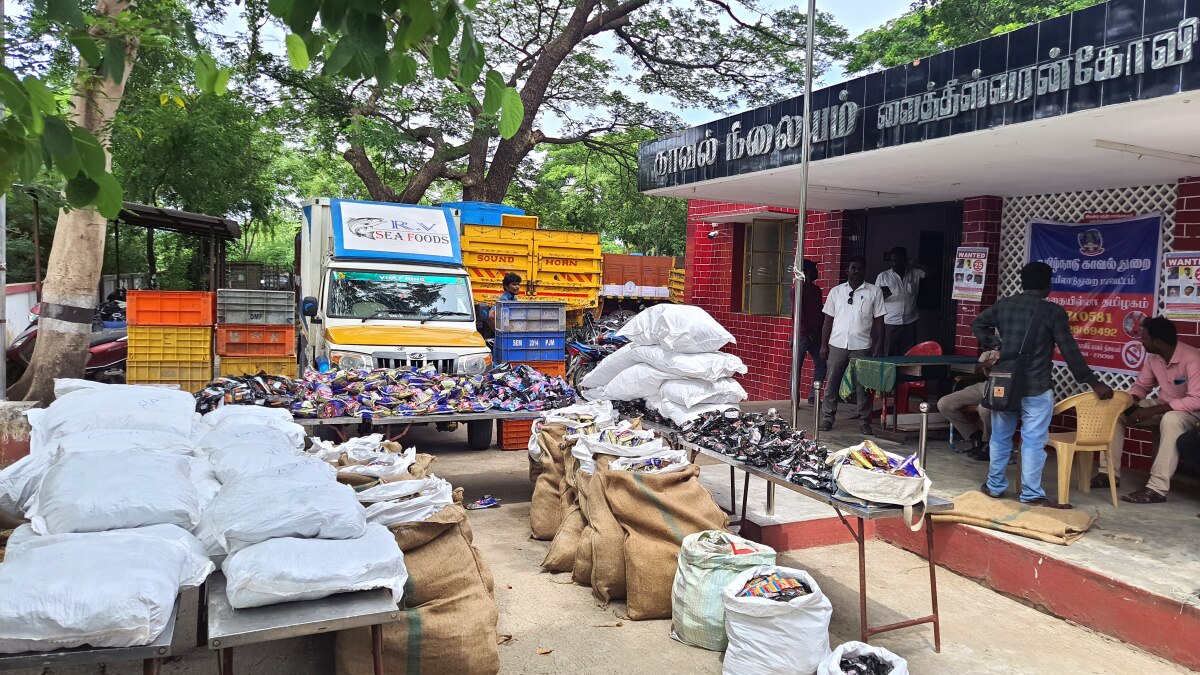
point(170, 343)
point(253, 365)
point(191, 376)
point(521, 222)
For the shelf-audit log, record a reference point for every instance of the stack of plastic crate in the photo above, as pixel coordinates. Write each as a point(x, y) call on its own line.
point(534, 334)
point(256, 332)
point(170, 338)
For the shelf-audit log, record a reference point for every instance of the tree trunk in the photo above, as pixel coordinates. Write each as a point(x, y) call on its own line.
point(76, 256)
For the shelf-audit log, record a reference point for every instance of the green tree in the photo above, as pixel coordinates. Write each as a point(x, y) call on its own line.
point(933, 26)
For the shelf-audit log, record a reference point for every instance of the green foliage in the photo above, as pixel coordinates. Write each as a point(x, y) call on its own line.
point(934, 26)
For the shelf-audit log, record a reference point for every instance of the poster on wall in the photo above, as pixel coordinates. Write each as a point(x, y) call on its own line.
point(1106, 277)
point(970, 264)
point(1182, 297)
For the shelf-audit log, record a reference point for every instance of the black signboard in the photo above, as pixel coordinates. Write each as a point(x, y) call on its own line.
point(1116, 52)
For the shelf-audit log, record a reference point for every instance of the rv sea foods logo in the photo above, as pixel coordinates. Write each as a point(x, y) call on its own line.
point(382, 229)
point(1090, 242)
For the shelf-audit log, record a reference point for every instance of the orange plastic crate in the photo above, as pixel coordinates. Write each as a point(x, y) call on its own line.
point(547, 368)
point(170, 308)
point(514, 434)
point(256, 340)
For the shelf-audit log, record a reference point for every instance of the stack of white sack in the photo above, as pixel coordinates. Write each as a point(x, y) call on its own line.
point(673, 362)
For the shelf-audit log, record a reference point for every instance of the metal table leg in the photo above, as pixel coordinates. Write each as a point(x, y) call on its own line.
point(225, 661)
point(937, 623)
point(202, 616)
point(151, 666)
point(745, 494)
point(861, 538)
point(770, 498)
point(732, 490)
point(377, 647)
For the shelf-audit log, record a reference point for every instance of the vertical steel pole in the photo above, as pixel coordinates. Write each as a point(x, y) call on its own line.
point(37, 241)
point(924, 433)
point(801, 220)
point(3, 245)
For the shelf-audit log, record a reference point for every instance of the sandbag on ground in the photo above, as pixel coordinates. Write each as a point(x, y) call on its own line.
point(656, 511)
point(448, 618)
point(545, 508)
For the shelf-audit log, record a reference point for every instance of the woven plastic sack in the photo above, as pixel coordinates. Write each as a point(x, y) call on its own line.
point(679, 414)
point(19, 482)
point(113, 406)
point(278, 419)
point(406, 501)
point(675, 460)
point(640, 380)
point(768, 637)
point(690, 393)
point(686, 329)
point(705, 569)
point(609, 367)
point(832, 663)
point(707, 366)
point(116, 440)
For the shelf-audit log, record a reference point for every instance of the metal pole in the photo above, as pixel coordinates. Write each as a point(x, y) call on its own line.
point(37, 242)
point(924, 408)
point(798, 269)
point(817, 411)
point(3, 244)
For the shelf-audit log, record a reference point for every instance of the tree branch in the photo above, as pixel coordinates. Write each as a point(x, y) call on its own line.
point(357, 157)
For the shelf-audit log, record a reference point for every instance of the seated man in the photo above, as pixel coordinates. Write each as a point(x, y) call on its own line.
point(512, 286)
point(973, 426)
point(1174, 368)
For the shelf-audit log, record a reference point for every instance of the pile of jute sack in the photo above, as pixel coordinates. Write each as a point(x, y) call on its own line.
point(673, 362)
point(131, 496)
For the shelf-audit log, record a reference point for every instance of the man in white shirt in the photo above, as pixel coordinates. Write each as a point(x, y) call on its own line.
point(899, 285)
point(853, 329)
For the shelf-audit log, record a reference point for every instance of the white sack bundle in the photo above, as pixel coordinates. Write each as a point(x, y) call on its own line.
point(113, 406)
point(406, 501)
point(832, 665)
point(116, 440)
point(279, 419)
point(690, 393)
point(290, 569)
point(608, 368)
point(640, 380)
point(679, 414)
point(19, 482)
point(768, 637)
point(686, 329)
point(671, 460)
point(704, 366)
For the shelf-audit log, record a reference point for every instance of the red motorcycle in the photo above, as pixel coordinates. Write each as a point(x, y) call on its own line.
point(107, 349)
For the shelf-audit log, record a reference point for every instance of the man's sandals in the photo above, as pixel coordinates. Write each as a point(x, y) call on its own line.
point(1144, 496)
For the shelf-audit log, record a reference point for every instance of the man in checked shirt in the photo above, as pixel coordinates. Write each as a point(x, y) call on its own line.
point(1004, 326)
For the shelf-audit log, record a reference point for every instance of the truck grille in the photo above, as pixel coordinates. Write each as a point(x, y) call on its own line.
point(400, 360)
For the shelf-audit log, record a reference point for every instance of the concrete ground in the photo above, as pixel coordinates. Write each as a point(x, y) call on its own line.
point(557, 627)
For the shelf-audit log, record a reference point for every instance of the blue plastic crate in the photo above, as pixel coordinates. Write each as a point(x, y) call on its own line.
point(482, 213)
point(549, 346)
point(530, 316)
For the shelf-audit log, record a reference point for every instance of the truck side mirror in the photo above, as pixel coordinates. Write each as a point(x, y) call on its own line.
point(308, 307)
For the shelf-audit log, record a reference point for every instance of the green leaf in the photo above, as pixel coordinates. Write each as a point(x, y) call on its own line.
point(333, 13)
point(12, 93)
point(109, 196)
point(81, 190)
point(300, 19)
point(297, 52)
point(87, 45)
point(40, 95)
point(65, 12)
point(206, 73)
point(57, 140)
point(163, 98)
point(221, 84)
point(422, 19)
point(493, 92)
point(449, 29)
point(439, 58)
point(406, 69)
point(113, 65)
point(31, 160)
point(92, 157)
point(512, 112)
point(470, 57)
point(367, 31)
point(280, 8)
point(343, 51)
point(385, 70)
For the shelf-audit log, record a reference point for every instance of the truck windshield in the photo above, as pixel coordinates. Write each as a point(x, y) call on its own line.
point(388, 295)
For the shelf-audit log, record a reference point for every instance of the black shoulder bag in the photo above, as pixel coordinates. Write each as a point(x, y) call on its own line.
point(1005, 385)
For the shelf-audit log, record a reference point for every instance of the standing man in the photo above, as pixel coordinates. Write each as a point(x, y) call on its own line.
point(853, 329)
point(1175, 369)
point(512, 286)
point(812, 322)
point(1028, 318)
point(899, 285)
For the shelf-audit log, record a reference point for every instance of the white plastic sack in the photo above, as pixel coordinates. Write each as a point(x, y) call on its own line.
point(707, 366)
point(640, 380)
point(113, 406)
point(279, 419)
point(256, 435)
point(609, 367)
point(330, 451)
point(380, 464)
point(253, 509)
point(767, 637)
point(602, 413)
point(92, 492)
point(406, 501)
point(686, 329)
point(705, 569)
point(104, 589)
point(19, 482)
point(679, 414)
point(593, 443)
point(690, 393)
point(289, 569)
point(832, 663)
point(204, 478)
point(678, 461)
point(306, 469)
point(882, 488)
point(117, 440)
point(66, 385)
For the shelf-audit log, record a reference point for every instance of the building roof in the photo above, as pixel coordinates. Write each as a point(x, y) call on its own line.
point(159, 218)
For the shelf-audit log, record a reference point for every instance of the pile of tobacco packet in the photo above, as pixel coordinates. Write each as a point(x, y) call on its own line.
point(867, 455)
point(763, 440)
point(868, 664)
point(774, 587)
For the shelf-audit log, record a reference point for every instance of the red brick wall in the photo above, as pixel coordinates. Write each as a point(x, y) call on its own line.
point(981, 227)
point(764, 343)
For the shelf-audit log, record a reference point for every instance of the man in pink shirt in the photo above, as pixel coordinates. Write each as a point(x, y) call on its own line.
point(1174, 368)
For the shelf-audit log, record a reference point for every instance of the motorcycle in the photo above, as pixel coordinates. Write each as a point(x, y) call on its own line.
point(590, 344)
point(107, 348)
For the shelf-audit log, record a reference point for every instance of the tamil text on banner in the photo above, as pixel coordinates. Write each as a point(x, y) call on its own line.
point(1183, 285)
point(970, 264)
point(1106, 277)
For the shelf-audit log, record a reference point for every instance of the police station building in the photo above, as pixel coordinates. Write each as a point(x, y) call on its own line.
point(1077, 138)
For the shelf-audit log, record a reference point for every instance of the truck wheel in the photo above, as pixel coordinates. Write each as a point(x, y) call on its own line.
point(479, 434)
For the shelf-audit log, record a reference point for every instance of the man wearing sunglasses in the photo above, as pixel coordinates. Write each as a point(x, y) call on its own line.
point(853, 329)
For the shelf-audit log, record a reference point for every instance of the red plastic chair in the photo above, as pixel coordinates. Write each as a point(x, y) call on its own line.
point(904, 390)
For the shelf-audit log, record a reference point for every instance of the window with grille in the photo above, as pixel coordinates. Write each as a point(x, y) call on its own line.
point(770, 252)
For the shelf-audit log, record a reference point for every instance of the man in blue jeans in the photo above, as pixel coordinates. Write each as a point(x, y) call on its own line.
point(1041, 325)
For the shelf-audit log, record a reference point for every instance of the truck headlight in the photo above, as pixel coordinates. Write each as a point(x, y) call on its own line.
point(350, 360)
point(474, 365)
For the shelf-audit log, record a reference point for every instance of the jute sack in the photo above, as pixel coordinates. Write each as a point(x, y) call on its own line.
point(581, 568)
point(545, 509)
point(418, 471)
point(656, 511)
point(601, 549)
point(561, 557)
point(448, 618)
